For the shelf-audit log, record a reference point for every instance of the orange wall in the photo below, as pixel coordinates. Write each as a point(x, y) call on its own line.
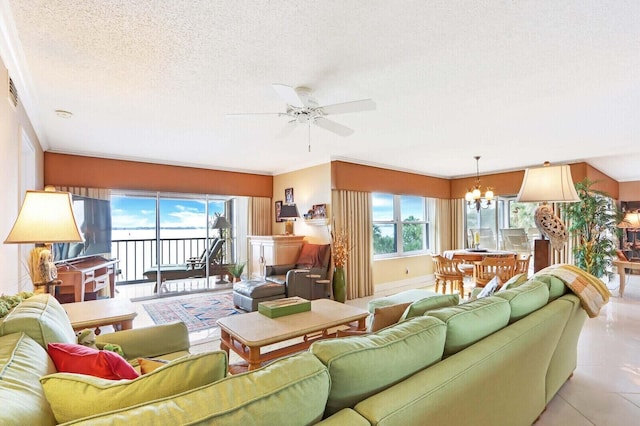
point(357, 177)
point(509, 183)
point(500, 183)
point(91, 172)
point(630, 191)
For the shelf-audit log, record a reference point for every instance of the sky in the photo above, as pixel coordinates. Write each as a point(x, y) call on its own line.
point(409, 206)
point(138, 212)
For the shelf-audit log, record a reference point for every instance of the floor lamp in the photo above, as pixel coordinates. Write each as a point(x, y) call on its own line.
point(547, 184)
point(220, 223)
point(45, 217)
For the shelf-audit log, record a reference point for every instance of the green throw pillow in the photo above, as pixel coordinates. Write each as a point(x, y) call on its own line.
point(74, 396)
point(417, 309)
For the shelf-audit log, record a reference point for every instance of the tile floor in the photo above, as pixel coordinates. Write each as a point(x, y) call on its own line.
point(605, 388)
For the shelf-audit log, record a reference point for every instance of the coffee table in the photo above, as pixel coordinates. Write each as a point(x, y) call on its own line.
point(99, 313)
point(247, 334)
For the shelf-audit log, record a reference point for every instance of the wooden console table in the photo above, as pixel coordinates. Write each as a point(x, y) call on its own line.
point(87, 275)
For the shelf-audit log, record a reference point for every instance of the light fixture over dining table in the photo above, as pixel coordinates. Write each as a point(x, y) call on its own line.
point(474, 195)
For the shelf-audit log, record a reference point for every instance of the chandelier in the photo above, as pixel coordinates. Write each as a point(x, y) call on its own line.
point(474, 196)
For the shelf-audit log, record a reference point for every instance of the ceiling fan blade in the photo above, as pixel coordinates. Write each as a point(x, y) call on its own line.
point(332, 126)
point(289, 95)
point(345, 107)
point(258, 114)
point(287, 129)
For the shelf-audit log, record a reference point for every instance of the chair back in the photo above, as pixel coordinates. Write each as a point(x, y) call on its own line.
point(522, 264)
point(446, 268)
point(490, 266)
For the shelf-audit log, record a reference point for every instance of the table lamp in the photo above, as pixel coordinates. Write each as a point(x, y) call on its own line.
point(45, 217)
point(631, 221)
point(548, 184)
point(289, 213)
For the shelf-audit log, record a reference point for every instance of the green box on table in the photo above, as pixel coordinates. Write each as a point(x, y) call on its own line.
point(282, 307)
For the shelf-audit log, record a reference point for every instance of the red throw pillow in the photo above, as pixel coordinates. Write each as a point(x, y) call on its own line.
point(72, 358)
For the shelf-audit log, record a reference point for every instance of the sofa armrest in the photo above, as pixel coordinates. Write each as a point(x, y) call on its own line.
point(298, 284)
point(149, 341)
point(278, 269)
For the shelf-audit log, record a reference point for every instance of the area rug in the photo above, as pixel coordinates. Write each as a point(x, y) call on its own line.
point(198, 313)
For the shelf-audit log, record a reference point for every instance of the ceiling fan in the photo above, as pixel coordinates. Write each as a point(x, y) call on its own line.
point(302, 108)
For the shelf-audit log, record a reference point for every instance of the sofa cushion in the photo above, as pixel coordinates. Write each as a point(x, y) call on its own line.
point(514, 281)
point(418, 308)
point(556, 286)
point(525, 299)
point(73, 358)
point(22, 362)
point(386, 316)
point(364, 365)
point(473, 321)
point(93, 395)
point(42, 318)
point(408, 296)
point(278, 394)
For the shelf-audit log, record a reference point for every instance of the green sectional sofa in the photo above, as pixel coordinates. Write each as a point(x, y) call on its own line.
point(493, 361)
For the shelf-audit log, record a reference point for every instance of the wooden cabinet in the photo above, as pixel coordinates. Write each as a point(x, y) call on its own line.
point(272, 250)
point(86, 275)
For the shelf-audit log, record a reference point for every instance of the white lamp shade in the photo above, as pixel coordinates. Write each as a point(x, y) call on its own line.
point(220, 222)
point(631, 220)
point(45, 217)
point(548, 184)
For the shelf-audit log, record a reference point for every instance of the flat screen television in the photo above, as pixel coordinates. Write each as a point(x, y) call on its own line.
point(94, 219)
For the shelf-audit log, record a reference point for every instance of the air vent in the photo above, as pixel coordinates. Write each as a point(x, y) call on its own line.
point(13, 93)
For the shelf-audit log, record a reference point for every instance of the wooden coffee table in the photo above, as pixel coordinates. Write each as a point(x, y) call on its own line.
point(247, 334)
point(99, 313)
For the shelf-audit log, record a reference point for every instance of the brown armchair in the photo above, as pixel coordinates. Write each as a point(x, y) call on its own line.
point(314, 259)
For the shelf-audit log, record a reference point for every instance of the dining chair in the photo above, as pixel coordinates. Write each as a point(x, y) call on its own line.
point(490, 266)
point(522, 264)
point(446, 270)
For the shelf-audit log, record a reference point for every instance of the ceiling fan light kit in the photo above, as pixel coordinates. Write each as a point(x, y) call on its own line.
point(303, 108)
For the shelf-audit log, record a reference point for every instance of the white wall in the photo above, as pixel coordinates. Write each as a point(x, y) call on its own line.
point(14, 124)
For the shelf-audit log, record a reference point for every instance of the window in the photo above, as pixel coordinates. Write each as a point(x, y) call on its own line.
point(400, 224)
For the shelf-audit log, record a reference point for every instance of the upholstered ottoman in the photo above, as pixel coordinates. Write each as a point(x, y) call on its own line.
point(247, 294)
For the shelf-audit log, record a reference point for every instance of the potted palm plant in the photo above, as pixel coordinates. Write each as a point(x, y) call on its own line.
point(236, 271)
point(592, 221)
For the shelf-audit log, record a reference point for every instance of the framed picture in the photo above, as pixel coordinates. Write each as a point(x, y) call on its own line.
point(278, 209)
point(319, 211)
point(288, 195)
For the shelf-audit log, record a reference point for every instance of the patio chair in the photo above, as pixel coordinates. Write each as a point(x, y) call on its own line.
point(515, 239)
point(195, 267)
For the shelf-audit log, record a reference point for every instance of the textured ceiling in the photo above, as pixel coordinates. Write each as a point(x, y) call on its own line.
point(517, 82)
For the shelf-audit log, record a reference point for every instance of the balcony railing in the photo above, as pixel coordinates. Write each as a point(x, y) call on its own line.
point(137, 256)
